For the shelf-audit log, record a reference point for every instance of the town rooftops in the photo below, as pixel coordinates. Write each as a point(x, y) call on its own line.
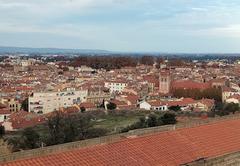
point(188, 84)
point(165, 148)
point(4, 111)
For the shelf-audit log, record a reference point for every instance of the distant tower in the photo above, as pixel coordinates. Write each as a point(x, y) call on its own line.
point(164, 81)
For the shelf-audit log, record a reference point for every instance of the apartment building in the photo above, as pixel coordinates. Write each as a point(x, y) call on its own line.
point(116, 86)
point(46, 102)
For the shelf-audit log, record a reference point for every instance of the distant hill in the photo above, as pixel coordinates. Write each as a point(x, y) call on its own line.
point(52, 51)
point(27, 50)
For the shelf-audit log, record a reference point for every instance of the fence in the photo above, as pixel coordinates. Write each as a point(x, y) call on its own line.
point(107, 139)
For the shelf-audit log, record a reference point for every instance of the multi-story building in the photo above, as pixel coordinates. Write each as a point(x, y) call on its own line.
point(228, 92)
point(14, 105)
point(46, 102)
point(116, 86)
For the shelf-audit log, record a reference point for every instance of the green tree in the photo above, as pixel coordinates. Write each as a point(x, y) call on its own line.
point(56, 129)
point(2, 131)
point(84, 125)
point(24, 105)
point(96, 132)
point(231, 107)
point(111, 106)
point(70, 129)
point(83, 109)
point(151, 120)
point(30, 139)
point(175, 108)
point(168, 118)
point(15, 143)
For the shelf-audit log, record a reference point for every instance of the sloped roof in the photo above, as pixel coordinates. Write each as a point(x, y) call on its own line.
point(165, 148)
point(4, 111)
point(87, 105)
point(235, 97)
point(188, 84)
point(24, 119)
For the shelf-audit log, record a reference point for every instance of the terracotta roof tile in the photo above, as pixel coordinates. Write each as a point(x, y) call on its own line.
point(187, 84)
point(165, 148)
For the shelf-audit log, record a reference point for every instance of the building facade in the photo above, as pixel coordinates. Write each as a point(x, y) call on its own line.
point(116, 86)
point(46, 102)
point(164, 82)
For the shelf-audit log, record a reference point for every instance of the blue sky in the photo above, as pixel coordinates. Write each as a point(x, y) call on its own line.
point(199, 26)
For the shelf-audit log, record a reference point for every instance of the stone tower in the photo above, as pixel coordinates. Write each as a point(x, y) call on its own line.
point(164, 81)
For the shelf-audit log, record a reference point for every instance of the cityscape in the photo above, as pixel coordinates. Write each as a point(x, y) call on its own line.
point(141, 100)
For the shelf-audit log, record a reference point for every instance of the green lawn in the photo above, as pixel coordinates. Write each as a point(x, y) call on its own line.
point(115, 122)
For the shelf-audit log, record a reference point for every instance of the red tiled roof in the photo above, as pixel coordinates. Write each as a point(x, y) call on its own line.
point(156, 103)
point(189, 85)
point(118, 102)
point(151, 79)
point(227, 89)
point(132, 98)
point(4, 111)
point(165, 148)
point(207, 102)
point(70, 110)
point(128, 107)
point(183, 102)
point(24, 119)
point(235, 97)
point(24, 123)
point(87, 105)
point(2, 106)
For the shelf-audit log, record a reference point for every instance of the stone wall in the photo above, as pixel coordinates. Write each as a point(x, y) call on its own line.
point(232, 159)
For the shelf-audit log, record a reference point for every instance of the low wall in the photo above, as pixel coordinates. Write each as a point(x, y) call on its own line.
point(232, 159)
point(107, 139)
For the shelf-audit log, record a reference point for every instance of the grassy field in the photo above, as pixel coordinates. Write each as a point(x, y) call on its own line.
point(115, 122)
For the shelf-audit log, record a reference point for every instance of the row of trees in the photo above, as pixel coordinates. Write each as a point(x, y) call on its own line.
point(105, 62)
point(226, 109)
point(210, 93)
point(117, 62)
point(151, 121)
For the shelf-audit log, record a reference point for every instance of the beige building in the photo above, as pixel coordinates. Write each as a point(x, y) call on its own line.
point(164, 82)
point(14, 105)
point(46, 102)
point(116, 86)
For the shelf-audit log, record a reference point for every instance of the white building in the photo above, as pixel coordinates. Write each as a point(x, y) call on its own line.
point(145, 105)
point(115, 86)
point(228, 92)
point(153, 105)
point(4, 114)
point(233, 99)
point(46, 102)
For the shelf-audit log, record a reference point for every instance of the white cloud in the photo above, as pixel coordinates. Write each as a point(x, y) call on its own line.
point(228, 31)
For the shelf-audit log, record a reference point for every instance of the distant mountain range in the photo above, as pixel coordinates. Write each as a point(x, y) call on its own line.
point(27, 50)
